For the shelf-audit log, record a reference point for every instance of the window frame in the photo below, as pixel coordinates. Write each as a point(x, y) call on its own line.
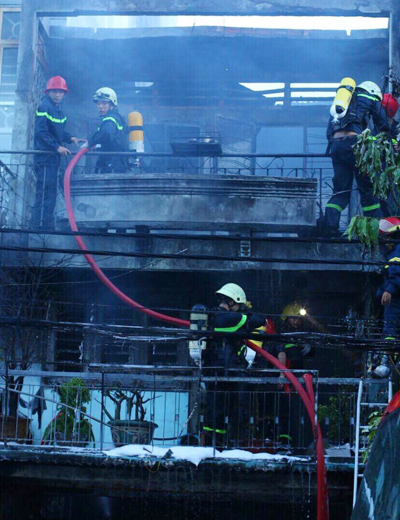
point(6, 44)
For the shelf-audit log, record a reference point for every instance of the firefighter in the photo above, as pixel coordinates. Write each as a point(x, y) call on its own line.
point(342, 136)
point(293, 426)
point(391, 106)
point(389, 292)
point(49, 136)
point(111, 134)
point(295, 318)
point(227, 404)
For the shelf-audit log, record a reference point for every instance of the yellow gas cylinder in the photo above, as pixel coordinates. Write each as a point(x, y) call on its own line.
point(342, 99)
point(135, 123)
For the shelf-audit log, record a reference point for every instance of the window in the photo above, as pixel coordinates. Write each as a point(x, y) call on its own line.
point(9, 35)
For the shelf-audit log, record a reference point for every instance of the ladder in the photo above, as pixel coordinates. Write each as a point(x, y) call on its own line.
point(361, 404)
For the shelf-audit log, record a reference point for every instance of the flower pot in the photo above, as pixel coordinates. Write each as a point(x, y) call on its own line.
point(132, 432)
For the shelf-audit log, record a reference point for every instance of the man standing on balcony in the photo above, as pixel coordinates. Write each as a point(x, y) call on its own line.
point(228, 403)
point(342, 136)
point(49, 137)
point(111, 134)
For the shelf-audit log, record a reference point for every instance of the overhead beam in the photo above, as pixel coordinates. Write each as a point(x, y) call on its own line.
point(215, 7)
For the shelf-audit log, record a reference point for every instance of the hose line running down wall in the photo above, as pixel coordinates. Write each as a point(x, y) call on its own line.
point(307, 397)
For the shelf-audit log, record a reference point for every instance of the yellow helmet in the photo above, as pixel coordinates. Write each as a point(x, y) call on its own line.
point(106, 94)
point(293, 309)
point(233, 291)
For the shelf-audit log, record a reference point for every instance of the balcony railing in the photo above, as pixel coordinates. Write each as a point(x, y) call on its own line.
point(146, 168)
point(247, 409)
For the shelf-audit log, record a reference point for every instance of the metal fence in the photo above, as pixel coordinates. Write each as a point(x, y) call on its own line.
point(18, 175)
point(253, 409)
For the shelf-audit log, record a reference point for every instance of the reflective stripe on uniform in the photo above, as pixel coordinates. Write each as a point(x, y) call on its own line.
point(389, 338)
point(395, 259)
point(207, 429)
point(334, 206)
point(50, 118)
point(374, 98)
point(371, 208)
point(114, 121)
point(290, 345)
point(243, 347)
point(235, 327)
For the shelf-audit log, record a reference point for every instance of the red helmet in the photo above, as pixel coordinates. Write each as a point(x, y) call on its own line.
point(391, 104)
point(56, 83)
point(389, 225)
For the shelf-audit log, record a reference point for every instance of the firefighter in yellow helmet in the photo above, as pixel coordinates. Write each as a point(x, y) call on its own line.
point(295, 318)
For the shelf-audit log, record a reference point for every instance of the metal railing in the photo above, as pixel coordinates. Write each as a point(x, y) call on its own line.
point(20, 165)
point(101, 409)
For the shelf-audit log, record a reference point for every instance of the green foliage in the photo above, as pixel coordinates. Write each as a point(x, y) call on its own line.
point(376, 159)
point(338, 413)
point(68, 426)
point(374, 420)
point(74, 393)
point(365, 229)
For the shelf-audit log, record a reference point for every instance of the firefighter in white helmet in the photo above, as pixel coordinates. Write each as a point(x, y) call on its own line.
point(342, 136)
point(228, 400)
point(111, 135)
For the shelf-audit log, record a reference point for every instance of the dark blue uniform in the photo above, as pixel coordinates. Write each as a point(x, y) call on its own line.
point(228, 404)
point(392, 285)
point(111, 135)
point(49, 135)
point(363, 107)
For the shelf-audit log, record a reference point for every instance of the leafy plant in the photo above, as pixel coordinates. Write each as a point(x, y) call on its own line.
point(371, 429)
point(134, 399)
point(337, 412)
point(366, 229)
point(68, 426)
point(376, 159)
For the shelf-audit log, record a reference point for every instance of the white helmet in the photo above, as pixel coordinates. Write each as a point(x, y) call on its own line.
point(372, 88)
point(233, 291)
point(106, 94)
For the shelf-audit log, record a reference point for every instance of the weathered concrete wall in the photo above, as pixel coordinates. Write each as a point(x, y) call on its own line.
point(318, 257)
point(298, 7)
point(181, 201)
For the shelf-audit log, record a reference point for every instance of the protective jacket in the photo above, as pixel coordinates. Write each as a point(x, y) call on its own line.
point(392, 274)
point(226, 351)
point(50, 131)
point(111, 135)
point(362, 108)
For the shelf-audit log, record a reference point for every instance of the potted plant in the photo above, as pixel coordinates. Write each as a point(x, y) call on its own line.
point(69, 427)
point(129, 430)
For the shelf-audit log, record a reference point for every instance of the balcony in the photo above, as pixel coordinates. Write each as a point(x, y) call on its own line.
point(221, 196)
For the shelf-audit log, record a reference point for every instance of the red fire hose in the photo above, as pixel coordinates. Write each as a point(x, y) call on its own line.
point(306, 397)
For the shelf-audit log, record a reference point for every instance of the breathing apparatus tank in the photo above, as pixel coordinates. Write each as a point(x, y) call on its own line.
point(198, 322)
point(135, 123)
point(342, 99)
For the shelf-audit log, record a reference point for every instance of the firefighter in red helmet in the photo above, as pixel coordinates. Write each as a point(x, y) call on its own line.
point(50, 136)
point(391, 105)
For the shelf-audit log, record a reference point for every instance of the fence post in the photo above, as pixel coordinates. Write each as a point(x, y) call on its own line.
point(102, 413)
point(6, 408)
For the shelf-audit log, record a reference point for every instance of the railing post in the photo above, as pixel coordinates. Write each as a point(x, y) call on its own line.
point(102, 413)
point(357, 446)
point(6, 407)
